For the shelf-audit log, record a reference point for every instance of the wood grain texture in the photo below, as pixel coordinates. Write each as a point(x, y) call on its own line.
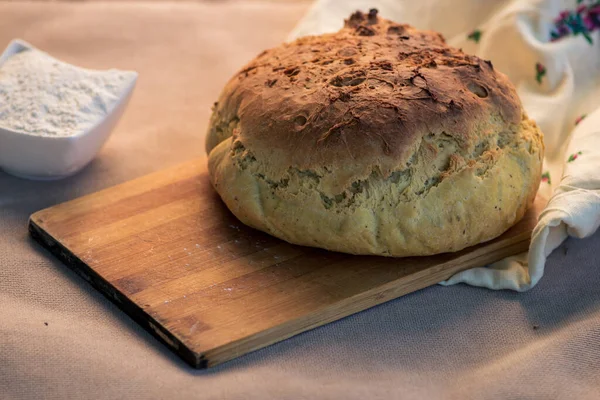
point(166, 250)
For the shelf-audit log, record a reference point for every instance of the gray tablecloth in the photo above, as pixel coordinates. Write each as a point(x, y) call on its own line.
point(61, 339)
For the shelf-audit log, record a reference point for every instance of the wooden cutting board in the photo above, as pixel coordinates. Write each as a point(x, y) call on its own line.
point(166, 251)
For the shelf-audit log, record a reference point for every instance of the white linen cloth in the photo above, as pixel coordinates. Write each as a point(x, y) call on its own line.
point(559, 84)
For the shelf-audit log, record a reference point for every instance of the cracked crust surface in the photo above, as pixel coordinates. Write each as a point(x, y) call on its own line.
point(377, 139)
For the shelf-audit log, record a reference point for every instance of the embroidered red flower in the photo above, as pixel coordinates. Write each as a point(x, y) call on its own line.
point(540, 72)
point(580, 118)
point(574, 156)
point(546, 177)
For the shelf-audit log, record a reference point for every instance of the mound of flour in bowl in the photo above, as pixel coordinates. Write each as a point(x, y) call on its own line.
point(42, 96)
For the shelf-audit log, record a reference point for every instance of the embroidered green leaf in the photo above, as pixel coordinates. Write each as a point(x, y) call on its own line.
point(475, 35)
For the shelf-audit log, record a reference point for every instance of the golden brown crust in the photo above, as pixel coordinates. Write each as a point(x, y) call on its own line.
point(378, 139)
point(365, 95)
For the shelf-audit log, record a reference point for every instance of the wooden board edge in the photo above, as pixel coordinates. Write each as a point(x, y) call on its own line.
point(137, 314)
point(383, 294)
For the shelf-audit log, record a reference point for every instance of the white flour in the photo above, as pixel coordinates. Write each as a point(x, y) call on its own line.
point(42, 96)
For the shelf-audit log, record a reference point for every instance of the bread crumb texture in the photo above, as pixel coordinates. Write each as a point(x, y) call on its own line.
point(378, 139)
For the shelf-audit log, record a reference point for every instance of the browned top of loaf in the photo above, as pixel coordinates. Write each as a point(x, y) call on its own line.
point(365, 95)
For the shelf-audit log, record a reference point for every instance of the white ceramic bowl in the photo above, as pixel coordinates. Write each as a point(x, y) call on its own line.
point(49, 157)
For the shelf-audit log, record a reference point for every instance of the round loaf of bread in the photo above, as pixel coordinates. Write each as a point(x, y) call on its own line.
point(378, 139)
